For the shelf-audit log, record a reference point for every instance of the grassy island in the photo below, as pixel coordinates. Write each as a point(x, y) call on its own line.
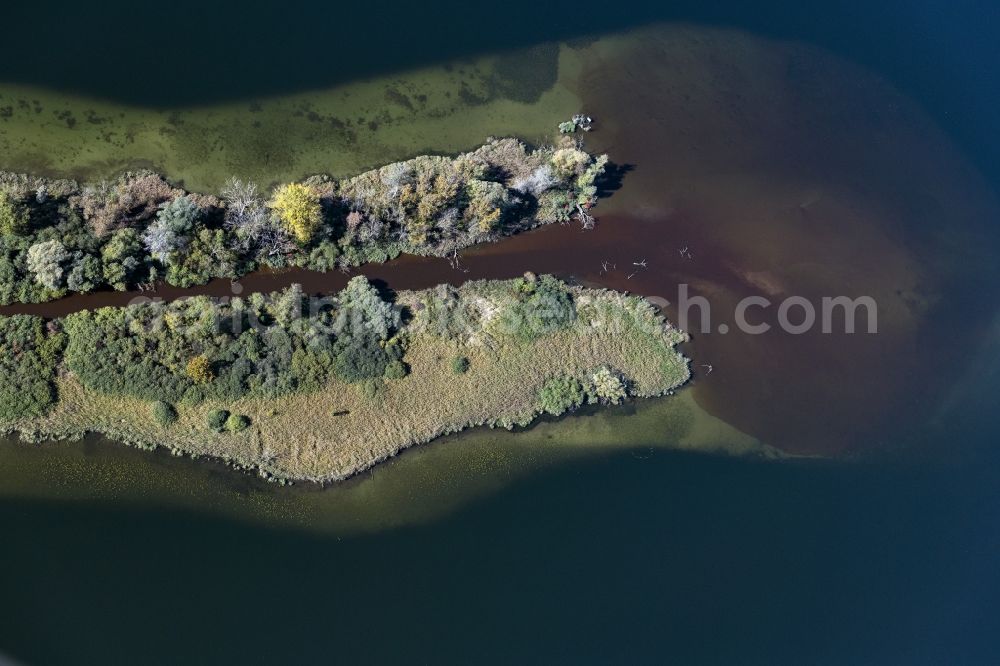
point(58, 237)
point(321, 388)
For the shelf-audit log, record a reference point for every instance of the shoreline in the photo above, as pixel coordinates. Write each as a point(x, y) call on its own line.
point(750, 448)
point(419, 485)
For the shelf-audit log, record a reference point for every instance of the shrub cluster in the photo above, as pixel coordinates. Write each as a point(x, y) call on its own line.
point(56, 237)
point(565, 393)
point(526, 308)
point(544, 306)
point(265, 345)
point(221, 420)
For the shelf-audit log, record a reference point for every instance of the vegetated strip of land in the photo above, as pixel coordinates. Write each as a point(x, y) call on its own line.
point(319, 390)
point(58, 237)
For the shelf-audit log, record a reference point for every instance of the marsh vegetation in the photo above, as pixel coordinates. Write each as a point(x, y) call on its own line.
point(320, 388)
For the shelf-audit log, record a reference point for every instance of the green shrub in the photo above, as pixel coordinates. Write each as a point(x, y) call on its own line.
point(555, 206)
point(369, 388)
point(28, 359)
point(85, 273)
point(396, 370)
point(561, 394)
point(237, 423)
point(163, 413)
point(204, 255)
point(323, 257)
point(217, 419)
point(459, 365)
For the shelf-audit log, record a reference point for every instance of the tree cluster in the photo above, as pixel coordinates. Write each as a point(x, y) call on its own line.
point(264, 345)
point(29, 356)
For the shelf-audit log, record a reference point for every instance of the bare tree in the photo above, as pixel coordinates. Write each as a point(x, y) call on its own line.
point(539, 181)
point(394, 176)
point(371, 229)
point(250, 221)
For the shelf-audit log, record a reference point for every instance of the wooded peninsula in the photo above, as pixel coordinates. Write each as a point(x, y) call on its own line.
point(58, 237)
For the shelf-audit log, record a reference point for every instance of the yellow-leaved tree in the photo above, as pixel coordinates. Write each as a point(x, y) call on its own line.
point(199, 369)
point(298, 208)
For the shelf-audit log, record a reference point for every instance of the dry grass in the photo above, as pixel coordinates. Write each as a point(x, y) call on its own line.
point(341, 430)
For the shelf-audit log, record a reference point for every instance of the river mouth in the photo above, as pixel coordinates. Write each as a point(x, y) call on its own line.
point(754, 169)
point(776, 171)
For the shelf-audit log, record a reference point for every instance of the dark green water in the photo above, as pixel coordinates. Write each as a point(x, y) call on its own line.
point(184, 52)
point(662, 557)
point(614, 561)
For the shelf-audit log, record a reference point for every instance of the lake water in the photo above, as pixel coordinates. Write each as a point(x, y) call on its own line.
point(795, 150)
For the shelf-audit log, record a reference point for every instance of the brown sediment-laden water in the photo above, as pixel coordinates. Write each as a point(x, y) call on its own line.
point(788, 172)
point(753, 168)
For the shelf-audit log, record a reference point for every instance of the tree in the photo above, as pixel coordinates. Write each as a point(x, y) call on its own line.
point(245, 212)
point(129, 201)
point(248, 220)
point(366, 312)
point(586, 183)
point(541, 180)
point(569, 162)
point(362, 358)
point(173, 224)
point(85, 273)
point(199, 369)
point(121, 257)
point(323, 257)
point(205, 255)
point(45, 261)
point(13, 215)
point(395, 370)
point(298, 208)
point(487, 201)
